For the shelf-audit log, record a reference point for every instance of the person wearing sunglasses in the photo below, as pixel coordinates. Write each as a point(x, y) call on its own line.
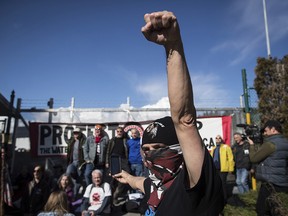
point(224, 161)
point(117, 147)
point(36, 193)
point(95, 152)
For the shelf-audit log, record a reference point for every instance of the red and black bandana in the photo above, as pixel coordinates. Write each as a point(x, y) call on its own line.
point(164, 165)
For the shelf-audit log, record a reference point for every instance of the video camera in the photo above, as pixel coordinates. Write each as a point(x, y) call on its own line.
point(251, 131)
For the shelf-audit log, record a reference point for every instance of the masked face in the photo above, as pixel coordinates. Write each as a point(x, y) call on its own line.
point(163, 162)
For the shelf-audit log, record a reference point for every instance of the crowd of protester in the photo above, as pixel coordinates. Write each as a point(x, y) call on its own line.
point(172, 150)
point(78, 189)
point(43, 192)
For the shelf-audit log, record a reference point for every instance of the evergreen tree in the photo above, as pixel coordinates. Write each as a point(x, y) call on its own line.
point(271, 85)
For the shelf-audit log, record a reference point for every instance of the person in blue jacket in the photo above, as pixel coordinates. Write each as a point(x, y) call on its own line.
point(134, 157)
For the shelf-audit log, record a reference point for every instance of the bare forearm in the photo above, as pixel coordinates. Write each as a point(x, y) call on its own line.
point(179, 83)
point(136, 182)
point(183, 111)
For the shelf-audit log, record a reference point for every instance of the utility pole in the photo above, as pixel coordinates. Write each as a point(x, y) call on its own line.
point(247, 112)
point(50, 105)
point(246, 97)
point(4, 148)
point(72, 109)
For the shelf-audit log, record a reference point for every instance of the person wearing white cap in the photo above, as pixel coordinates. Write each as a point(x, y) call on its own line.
point(183, 179)
point(75, 157)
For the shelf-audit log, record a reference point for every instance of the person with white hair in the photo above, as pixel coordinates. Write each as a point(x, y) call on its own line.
point(97, 196)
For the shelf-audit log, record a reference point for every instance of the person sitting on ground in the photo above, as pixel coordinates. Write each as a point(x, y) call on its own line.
point(65, 184)
point(97, 196)
point(57, 205)
point(36, 192)
point(183, 179)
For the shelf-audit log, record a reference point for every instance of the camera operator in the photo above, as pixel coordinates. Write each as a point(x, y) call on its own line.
point(272, 168)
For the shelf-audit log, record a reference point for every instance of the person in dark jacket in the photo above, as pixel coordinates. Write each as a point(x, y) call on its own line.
point(272, 168)
point(117, 147)
point(36, 194)
point(75, 158)
point(183, 179)
point(242, 162)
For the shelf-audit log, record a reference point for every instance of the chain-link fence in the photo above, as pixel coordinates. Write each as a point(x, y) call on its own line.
point(253, 102)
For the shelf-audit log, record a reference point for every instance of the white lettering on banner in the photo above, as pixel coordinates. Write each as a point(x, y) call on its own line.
point(53, 138)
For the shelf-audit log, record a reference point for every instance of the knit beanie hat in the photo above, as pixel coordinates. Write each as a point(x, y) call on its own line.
point(160, 131)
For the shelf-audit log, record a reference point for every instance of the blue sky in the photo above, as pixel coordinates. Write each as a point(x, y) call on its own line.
point(94, 51)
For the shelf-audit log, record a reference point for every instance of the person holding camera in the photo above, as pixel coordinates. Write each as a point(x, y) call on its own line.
point(242, 162)
point(272, 168)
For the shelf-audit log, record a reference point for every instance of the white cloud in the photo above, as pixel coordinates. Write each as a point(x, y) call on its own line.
point(207, 92)
point(153, 88)
point(162, 103)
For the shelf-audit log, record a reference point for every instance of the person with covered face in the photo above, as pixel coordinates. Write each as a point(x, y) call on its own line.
point(183, 179)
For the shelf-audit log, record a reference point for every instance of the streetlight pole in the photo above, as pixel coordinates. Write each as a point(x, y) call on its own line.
point(266, 30)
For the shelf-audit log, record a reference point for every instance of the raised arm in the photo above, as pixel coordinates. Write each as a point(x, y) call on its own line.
point(162, 28)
